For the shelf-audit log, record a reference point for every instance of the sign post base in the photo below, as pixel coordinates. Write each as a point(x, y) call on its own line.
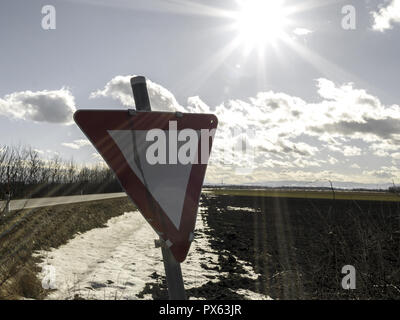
point(173, 273)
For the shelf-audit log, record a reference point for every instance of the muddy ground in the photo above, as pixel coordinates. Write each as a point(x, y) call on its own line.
point(23, 232)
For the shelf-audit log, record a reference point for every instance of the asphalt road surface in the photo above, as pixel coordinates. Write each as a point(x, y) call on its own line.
point(51, 201)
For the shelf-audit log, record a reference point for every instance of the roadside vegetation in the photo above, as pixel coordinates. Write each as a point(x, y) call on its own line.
point(25, 174)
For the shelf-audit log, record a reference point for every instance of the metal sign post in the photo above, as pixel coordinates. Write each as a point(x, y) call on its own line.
point(8, 195)
point(8, 200)
point(173, 273)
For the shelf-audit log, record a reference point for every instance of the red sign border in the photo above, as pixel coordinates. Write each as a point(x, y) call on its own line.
point(134, 188)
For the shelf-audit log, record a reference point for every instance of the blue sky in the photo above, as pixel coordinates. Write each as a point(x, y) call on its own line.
point(187, 49)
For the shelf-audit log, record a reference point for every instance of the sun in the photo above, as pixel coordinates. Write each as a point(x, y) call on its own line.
point(260, 22)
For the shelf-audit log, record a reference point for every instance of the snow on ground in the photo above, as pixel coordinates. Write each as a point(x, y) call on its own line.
point(247, 209)
point(117, 261)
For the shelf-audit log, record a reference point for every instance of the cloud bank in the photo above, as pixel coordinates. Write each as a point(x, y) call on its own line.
point(55, 106)
point(349, 135)
point(119, 88)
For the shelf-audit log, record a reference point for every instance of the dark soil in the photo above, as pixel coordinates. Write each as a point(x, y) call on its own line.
point(299, 246)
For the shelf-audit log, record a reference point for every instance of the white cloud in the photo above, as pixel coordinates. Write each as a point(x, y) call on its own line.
point(290, 137)
point(302, 31)
point(349, 151)
point(38, 151)
point(55, 106)
point(386, 16)
point(353, 113)
point(396, 155)
point(76, 144)
point(97, 157)
point(385, 173)
point(384, 148)
point(119, 88)
point(303, 163)
point(381, 153)
point(332, 160)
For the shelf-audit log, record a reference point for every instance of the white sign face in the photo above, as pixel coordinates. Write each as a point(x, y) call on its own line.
point(166, 182)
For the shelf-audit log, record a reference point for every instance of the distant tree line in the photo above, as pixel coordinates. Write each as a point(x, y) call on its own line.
point(24, 173)
point(394, 189)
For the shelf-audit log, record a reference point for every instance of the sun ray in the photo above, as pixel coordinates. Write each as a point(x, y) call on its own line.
point(180, 7)
point(332, 71)
point(327, 68)
point(309, 5)
point(201, 74)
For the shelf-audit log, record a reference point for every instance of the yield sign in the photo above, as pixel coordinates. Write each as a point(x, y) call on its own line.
point(160, 159)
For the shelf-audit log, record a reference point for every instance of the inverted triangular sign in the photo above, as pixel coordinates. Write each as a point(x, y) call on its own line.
point(160, 159)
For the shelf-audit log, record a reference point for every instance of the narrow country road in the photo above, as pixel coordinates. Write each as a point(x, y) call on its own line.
point(52, 201)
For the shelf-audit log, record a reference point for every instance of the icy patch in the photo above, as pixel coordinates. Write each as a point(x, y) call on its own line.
point(252, 295)
point(247, 209)
point(201, 255)
point(106, 263)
